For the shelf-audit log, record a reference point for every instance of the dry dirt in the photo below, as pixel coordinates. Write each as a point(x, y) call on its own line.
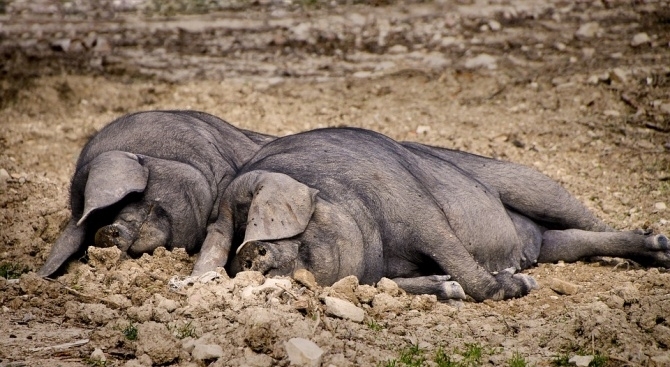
point(573, 89)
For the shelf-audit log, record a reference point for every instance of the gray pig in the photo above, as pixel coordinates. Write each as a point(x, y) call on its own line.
point(342, 202)
point(151, 179)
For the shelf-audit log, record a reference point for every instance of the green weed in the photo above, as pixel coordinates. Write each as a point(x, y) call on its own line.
point(130, 332)
point(517, 360)
point(186, 331)
point(599, 360)
point(374, 325)
point(12, 270)
point(412, 356)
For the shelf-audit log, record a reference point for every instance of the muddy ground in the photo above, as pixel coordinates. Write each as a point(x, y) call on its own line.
point(578, 90)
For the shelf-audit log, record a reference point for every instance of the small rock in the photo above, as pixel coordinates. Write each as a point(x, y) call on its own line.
point(362, 74)
point(660, 206)
point(4, 177)
point(344, 309)
point(102, 46)
point(593, 79)
point(580, 360)
point(422, 129)
point(303, 352)
point(640, 39)
point(560, 46)
point(397, 49)
point(61, 45)
point(495, 25)
point(436, 60)
point(306, 278)
point(563, 287)
point(665, 108)
point(619, 75)
point(388, 286)
point(450, 41)
point(98, 355)
point(481, 61)
point(588, 52)
point(611, 113)
point(204, 352)
point(588, 30)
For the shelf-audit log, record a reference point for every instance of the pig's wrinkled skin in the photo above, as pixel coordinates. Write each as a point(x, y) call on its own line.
point(342, 202)
point(151, 179)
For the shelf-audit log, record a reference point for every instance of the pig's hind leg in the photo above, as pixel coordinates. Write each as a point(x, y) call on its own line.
point(439, 285)
point(574, 244)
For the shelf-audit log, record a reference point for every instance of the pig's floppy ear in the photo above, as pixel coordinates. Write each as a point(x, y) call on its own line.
point(281, 208)
point(112, 176)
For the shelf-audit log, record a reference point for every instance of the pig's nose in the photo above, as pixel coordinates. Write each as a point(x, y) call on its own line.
point(114, 235)
point(253, 257)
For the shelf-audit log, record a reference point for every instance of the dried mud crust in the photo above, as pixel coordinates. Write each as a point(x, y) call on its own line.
point(580, 104)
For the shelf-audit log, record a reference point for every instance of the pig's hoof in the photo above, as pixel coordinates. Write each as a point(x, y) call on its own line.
point(451, 290)
point(658, 242)
point(528, 281)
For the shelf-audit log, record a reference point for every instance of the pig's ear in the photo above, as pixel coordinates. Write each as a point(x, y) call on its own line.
point(112, 176)
point(281, 208)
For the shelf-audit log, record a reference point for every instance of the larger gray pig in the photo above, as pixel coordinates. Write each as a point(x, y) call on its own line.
point(151, 179)
point(342, 202)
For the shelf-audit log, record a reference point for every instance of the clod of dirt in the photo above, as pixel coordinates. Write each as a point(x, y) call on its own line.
point(423, 302)
point(389, 287)
point(562, 287)
point(384, 302)
point(306, 278)
point(206, 352)
point(365, 293)
point(260, 330)
point(90, 313)
point(104, 258)
point(156, 341)
point(345, 288)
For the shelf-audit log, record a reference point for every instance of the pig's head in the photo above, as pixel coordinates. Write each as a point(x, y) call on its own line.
point(136, 203)
point(274, 224)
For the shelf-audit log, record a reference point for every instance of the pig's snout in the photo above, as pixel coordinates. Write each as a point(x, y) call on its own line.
point(114, 235)
point(255, 256)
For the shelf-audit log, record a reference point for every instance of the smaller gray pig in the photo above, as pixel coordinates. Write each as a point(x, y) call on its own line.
point(342, 202)
point(151, 179)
